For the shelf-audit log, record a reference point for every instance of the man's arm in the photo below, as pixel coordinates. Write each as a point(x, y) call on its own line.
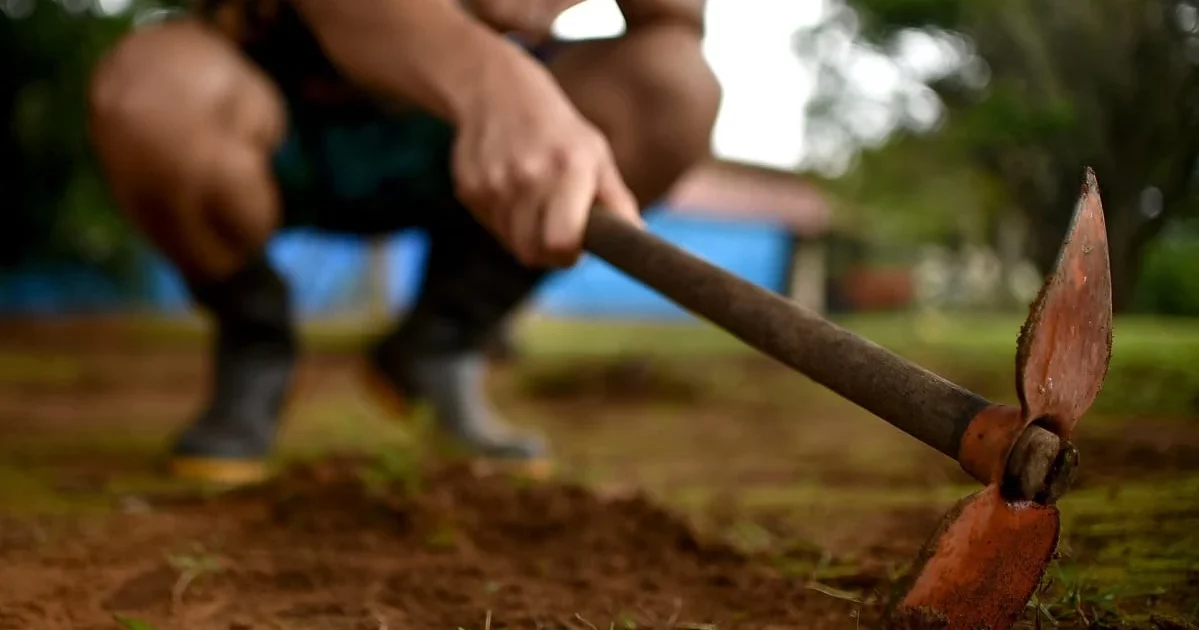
point(429, 53)
point(686, 13)
point(525, 162)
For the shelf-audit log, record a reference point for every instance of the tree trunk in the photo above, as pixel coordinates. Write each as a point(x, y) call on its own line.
point(1126, 255)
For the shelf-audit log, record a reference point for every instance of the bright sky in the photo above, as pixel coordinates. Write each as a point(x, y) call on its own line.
point(749, 45)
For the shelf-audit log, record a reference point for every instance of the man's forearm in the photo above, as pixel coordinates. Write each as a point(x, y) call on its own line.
point(686, 13)
point(429, 53)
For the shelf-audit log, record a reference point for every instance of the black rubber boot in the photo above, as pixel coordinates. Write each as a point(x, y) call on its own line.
point(434, 362)
point(502, 347)
point(254, 354)
point(438, 355)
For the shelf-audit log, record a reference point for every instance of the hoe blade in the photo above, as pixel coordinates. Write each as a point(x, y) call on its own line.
point(1066, 344)
point(989, 554)
point(981, 566)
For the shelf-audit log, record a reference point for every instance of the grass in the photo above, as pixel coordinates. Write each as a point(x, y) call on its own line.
point(1068, 596)
point(1154, 369)
point(1155, 363)
point(1126, 548)
point(130, 623)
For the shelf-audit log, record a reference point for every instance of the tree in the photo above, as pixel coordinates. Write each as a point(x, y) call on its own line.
point(1025, 94)
point(56, 207)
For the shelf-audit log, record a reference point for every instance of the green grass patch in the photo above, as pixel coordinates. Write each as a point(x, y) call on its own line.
point(1154, 370)
point(130, 623)
point(1155, 366)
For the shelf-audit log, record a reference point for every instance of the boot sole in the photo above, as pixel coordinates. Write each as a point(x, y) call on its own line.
point(222, 471)
point(390, 400)
point(540, 469)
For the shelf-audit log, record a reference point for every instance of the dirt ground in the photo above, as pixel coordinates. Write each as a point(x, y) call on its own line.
point(703, 492)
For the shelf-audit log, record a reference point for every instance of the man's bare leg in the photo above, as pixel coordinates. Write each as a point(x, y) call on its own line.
point(185, 128)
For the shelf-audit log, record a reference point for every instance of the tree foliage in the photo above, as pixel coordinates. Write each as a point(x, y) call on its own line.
point(1035, 91)
point(56, 207)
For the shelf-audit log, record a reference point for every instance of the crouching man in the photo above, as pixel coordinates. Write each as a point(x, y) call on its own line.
point(465, 119)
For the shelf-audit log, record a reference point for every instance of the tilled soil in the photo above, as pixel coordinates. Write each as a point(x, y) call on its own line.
point(320, 548)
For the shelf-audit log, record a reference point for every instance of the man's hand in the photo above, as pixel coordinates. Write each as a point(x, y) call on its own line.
point(530, 168)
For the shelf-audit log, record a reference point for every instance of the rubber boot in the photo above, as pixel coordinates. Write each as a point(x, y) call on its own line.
point(426, 363)
point(502, 348)
point(254, 355)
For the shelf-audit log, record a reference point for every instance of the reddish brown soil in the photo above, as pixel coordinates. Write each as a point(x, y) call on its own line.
point(317, 549)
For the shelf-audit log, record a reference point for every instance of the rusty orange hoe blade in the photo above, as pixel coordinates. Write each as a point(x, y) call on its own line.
point(987, 557)
point(1066, 344)
point(985, 561)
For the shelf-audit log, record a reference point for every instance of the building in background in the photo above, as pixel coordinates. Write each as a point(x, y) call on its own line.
point(742, 192)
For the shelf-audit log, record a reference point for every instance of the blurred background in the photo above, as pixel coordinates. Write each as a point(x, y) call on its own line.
point(870, 155)
point(907, 167)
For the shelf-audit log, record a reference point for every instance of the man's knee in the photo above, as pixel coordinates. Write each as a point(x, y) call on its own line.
point(681, 113)
point(184, 129)
point(653, 94)
point(174, 82)
point(129, 88)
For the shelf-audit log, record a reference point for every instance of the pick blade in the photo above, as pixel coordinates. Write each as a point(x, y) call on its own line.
point(1066, 343)
point(981, 566)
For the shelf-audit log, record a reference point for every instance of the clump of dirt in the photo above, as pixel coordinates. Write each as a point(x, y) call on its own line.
point(320, 547)
point(624, 379)
point(918, 619)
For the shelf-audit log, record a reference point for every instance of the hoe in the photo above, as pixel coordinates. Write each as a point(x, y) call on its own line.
point(983, 563)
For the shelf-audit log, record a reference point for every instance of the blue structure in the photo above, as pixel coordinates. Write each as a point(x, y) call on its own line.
point(329, 274)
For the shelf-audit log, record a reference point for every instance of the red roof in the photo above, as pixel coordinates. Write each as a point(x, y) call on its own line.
point(731, 190)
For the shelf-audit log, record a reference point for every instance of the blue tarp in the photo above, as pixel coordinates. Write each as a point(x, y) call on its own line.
point(329, 274)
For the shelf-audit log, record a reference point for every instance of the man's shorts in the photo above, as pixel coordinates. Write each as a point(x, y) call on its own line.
point(363, 172)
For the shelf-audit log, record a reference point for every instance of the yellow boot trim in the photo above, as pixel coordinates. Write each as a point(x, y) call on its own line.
point(224, 471)
point(539, 469)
